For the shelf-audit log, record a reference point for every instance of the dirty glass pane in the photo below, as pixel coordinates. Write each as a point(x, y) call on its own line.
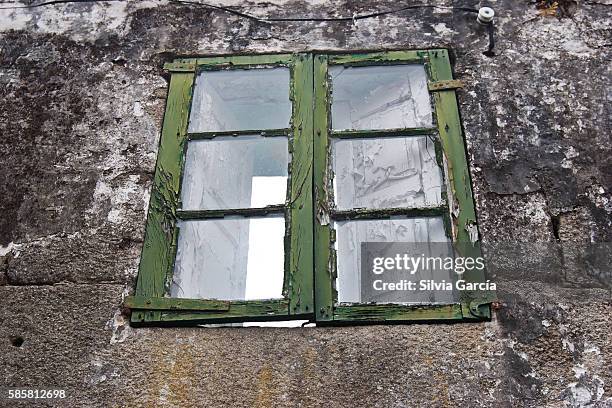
point(350, 235)
point(235, 172)
point(386, 173)
point(380, 97)
point(241, 99)
point(230, 259)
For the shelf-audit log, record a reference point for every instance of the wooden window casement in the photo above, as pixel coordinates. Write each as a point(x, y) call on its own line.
point(272, 169)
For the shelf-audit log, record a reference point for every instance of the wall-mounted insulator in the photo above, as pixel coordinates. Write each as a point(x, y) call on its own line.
point(485, 15)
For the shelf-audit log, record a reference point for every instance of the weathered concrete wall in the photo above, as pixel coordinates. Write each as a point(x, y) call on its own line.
point(81, 108)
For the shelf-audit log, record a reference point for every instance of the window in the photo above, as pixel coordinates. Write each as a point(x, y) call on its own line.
point(273, 169)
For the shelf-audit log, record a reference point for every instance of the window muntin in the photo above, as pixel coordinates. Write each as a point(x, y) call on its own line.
point(310, 205)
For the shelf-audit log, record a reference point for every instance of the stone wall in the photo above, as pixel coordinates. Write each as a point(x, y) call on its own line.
point(83, 95)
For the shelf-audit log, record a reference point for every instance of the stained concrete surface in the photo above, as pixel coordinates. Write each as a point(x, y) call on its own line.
point(83, 99)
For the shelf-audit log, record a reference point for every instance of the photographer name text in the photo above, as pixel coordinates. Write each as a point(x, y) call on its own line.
point(431, 285)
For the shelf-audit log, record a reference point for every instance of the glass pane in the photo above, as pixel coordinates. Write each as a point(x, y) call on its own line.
point(235, 172)
point(354, 288)
point(380, 97)
point(386, 173)
point(230, 259)
point(241, 99)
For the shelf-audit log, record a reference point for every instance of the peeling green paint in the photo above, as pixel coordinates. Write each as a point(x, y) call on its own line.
point(300, 203)
point(143, 302)
point(162, 233)
point(251, 310)
point(247, 212)
point(450, 153)
point(382, 133)
point(463, 212)
point(378, 58)
point(365, 214)
point(382, 313)
point(158, 251)
point(212, 135)
point(310, 261)
point(323, 262)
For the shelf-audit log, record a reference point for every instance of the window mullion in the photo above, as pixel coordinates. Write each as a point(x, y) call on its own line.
point(299, 279)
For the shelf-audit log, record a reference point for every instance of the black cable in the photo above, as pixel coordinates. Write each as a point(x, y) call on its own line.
point(220, 8)
point(260, 19)
point(270, 20)
point(371, 15)
point(319, 19)
point(52, 2)
point(489, 52)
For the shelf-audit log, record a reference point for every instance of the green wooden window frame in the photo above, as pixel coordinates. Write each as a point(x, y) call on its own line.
point(310, 272)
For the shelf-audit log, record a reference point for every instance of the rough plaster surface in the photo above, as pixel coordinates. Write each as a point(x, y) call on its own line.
point(83, 99)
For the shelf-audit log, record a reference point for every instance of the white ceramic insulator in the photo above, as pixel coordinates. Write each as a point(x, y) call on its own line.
point(485, 15)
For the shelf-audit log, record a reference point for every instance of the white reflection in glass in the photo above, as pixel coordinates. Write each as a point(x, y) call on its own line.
point(280, 323)
point(230, 259)
point(386, 173)
point(235, 172)
point(350, 235)
point(380, 97)
point(241, 99)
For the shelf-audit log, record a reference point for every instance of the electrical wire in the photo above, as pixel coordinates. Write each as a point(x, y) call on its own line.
point(489, 52)
point(259, 19)
point(53, 2)
point(270, 20)
point(321, 19)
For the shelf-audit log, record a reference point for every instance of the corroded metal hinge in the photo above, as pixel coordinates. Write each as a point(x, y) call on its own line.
point(477, 309)
point(444, 85)
point(179, 67)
